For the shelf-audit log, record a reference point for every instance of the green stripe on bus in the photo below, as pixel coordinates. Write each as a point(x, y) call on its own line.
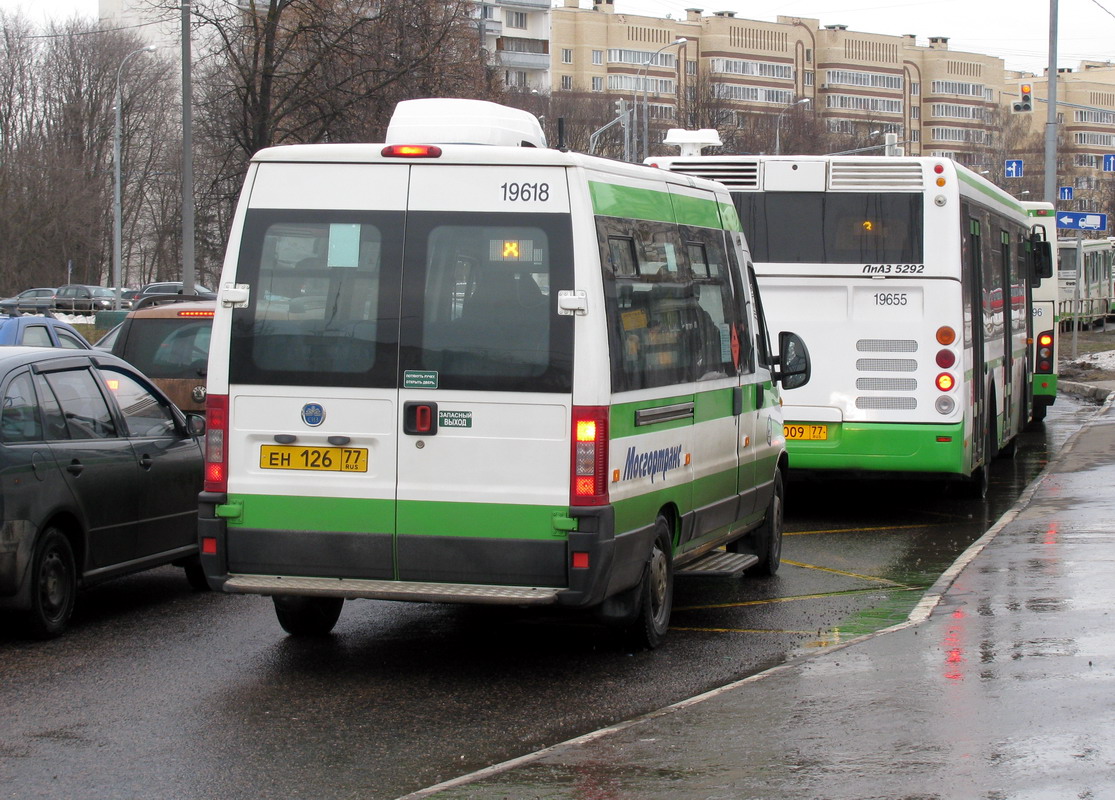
point(329, 514)
point(479, 520)
point(994, 192)
point(884, 447)
point(611, 200)
point(714, 404)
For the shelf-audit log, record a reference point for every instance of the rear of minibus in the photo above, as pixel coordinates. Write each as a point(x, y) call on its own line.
point(390, 384)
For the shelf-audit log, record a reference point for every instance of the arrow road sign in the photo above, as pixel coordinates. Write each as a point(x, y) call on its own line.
point(1013, 167)
point(1064, 193)
point(1109, 162)
point(1082, 220)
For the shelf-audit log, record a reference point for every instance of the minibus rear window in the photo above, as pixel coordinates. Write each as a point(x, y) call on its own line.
point(323, 308)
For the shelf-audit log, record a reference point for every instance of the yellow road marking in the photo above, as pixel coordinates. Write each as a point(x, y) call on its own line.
point(845, 574)
point(820, 596)
point(742, 630)
point(865, 530)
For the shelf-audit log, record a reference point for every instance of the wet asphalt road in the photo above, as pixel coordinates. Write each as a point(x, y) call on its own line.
point(159, 692)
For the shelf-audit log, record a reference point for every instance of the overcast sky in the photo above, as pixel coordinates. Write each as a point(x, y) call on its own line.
point(1015, 30)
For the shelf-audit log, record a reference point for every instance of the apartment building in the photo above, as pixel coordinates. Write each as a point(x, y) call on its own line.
point(938, 101)
point(516, 35)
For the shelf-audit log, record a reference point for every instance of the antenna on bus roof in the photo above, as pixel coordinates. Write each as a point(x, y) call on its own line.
point(690, 142)
point(456, 121)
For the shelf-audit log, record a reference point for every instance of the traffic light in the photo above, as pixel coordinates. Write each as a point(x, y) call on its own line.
point(1025, 102)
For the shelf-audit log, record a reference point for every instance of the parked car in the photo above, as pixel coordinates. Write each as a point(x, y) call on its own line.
point(117, 470)
point(40, 332)
point(30, 301)
point(170, 345)
point(82, 297)
point(169, 287)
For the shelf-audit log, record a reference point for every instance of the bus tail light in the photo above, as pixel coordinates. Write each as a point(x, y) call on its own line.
point(945, 358)
point(411, 151)
point(216, 443)
point(589, 467)
point(945, 382)
point(1045, 352)
point(945, 335)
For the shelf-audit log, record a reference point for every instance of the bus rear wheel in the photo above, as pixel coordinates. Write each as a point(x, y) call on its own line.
point(656, 592)
point(307, 616)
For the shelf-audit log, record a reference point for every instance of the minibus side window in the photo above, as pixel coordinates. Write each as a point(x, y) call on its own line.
point(716, 306)
point(652, 307)
point(745, 315)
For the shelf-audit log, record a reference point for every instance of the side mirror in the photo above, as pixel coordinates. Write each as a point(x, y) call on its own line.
point(195, 424)
point(793, 358)
point(1041, 254)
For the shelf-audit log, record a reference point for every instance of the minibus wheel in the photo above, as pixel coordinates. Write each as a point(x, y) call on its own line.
point(307, 616)
point(768, 536)
point(656, 591)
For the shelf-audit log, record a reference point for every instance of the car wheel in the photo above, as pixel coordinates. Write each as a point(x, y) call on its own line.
point(768, 536)
point(307, 616)
point(53, 586)
point(656, 592)
point(195, 575)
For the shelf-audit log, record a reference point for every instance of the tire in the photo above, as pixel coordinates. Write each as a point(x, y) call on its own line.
point(195, 575)
point(53, 586)
point(768, 536)
point(1039, 413)
point(307, 616)
point(656, 592)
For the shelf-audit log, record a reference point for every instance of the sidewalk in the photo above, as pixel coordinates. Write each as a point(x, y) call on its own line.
point(1001, 686)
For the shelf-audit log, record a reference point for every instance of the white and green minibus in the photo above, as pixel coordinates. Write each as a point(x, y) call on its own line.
point(911, 277)
point(487, 373)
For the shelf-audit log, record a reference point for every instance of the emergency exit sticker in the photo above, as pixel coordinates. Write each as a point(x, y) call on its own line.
point(454, 419)
point(419, 379)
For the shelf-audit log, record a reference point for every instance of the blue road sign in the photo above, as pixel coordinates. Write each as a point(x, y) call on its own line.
point(1081, 220)
point(1109, 162)
point(1064, 193)
point(1013, 167)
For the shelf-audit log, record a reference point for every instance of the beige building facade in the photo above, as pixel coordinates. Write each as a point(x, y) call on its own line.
point(936, 100)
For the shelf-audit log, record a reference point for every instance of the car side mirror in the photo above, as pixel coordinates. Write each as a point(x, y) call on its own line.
point(195, 424)
point(793, 359)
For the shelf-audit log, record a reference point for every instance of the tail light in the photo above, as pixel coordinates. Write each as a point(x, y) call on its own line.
point(216, 443)
point(589, 468)
point(945, 382)
point(1045, 352)
point(411, 151)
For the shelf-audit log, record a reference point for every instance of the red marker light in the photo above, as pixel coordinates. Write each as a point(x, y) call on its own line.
point(411, 151)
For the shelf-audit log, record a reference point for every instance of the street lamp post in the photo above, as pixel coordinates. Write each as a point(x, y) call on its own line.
point(117, 231)
point(646, 114)
point(778, 125)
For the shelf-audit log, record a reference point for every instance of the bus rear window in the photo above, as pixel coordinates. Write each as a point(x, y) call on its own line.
point(832, 227)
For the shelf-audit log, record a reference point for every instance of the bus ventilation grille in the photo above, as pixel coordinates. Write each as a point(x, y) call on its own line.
point(733, 174)
point(886, 365)
point(887, 345)
point(875, 174)
point(887, 403)
point(887, 384)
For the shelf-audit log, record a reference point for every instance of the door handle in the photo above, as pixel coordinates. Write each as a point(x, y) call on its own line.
point(146, 461)
point(75, 467)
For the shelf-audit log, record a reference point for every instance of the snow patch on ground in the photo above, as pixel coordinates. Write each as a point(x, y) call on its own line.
point(1104, 360)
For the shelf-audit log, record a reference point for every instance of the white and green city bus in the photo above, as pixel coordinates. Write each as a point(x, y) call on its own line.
point(487, 373)
point(1046, 310)
point(911, 278)
point(1086, 275)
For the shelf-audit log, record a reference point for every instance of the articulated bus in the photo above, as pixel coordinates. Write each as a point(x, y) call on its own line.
point(911, 278)
point(1087, 293)
point(1046, 312)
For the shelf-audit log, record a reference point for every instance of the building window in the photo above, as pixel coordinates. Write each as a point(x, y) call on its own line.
point(515, 78)
point(566, 56)
point(807, 78)
point(597, 84)
point(857, 102)
point(517, 19)
point(958, 87)
point(567, 82)
point(763, 69)
point(915, 88)
point(488, 12)
point(690, 67)
point(915, 112)
point(641, 58)
point(873, 80)
point(760, 94)
point(597, 57)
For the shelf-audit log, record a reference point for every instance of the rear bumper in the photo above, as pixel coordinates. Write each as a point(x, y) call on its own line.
point(883, 447)
point(441, 569)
